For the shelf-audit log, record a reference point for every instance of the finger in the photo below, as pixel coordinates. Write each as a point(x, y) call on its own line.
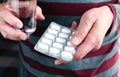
point(84, 27)
point(58, 61)
point(9, 18)
point(39, 14)
point(92, 41)
point(74, 25)
point(11, 33)
point(82, 50)
point(85, 47)
point(3, 34)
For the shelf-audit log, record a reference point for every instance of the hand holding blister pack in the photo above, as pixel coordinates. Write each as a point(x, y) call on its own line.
point(55, 42)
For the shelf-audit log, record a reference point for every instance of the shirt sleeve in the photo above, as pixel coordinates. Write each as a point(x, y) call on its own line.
point(115, 8)
point(114, 31)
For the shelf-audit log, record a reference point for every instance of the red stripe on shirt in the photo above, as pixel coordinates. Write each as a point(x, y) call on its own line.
point(67, 73)
point(68, 9)
point(102, 51)
point(51, 70)
point(55, 71)
point(107, 64)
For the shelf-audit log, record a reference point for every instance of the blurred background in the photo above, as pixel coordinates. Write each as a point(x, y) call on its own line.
point(8, 58)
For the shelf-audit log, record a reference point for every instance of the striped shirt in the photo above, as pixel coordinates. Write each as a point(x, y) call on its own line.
point(104, 62)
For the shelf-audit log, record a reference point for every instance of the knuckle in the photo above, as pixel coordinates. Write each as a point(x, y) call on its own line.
point(87, 17)
point(93, 41)
point(13, 36)
point(2, 26)
point(94, 38)
point(90, 15)
point(80, 34)
point(16, 34)
point(39, 10)
point(97, 47)
point(4, 34)
point(3, 13)
point(14, 23)
point(96, 42)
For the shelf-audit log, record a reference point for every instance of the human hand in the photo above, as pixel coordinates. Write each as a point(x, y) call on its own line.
point(91, 31)
point(8, 23)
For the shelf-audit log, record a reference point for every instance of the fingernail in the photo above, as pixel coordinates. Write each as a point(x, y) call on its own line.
point(19, 25)
point(57, 62)
point(22, 37)
point(74, 23)
point(4, 34)
point(75, 40)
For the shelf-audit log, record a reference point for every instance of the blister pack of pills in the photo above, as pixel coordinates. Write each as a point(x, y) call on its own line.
point(55, 42)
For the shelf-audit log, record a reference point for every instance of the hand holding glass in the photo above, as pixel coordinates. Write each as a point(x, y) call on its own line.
point(25, 10)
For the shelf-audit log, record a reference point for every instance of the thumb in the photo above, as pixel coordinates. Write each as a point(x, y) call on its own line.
point(39, 14)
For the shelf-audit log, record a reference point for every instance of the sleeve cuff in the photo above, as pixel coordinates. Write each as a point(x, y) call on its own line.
point(114, 17)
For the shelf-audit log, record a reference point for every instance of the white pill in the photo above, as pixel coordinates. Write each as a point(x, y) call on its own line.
point(46, 41)
point(69, 44)
point(70, 49)
point(52, 31)
point(43, 46)
point(55, 26)
point(65, 30)
point(63, 35)
point(67, 56)
point(54, 52)
point(60, 40)
point(50, 36)
point(58, 45)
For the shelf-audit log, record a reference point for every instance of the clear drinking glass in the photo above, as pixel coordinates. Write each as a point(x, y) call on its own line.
point(25, 10)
